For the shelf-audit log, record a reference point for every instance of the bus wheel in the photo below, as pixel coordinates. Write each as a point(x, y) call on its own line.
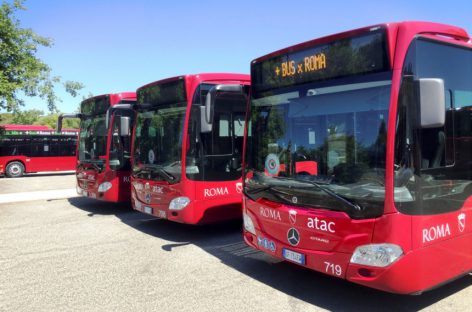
point(15, 169)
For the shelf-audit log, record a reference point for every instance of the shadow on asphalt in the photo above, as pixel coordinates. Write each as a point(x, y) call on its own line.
point(42, 174)
point(225, 242)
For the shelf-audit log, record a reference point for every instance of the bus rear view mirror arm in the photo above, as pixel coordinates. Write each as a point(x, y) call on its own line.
point(207, 111)
point(432, 102)
point(62, 116)
point(112, 109)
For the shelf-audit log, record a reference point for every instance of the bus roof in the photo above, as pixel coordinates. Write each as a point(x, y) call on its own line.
point(204, 77)
point(24, 127)
point(115, 98)
point(8, 127)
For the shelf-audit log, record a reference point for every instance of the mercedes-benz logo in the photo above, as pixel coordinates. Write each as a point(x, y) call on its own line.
point(147, 197)
point(293, 236)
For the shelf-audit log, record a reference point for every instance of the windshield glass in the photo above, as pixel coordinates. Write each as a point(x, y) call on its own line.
point(92, 138)
point(317, 144)
point(159, 131)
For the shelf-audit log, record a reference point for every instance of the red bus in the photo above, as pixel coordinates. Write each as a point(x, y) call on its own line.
point(187, 147)
point(26, 149)
point(103, 157)
point(385, 113)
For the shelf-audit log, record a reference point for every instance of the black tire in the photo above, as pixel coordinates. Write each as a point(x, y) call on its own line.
point(15, 169)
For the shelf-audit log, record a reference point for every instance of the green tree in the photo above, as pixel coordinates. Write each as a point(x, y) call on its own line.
point(20, 70)
point(27, 117)
point(51, 121)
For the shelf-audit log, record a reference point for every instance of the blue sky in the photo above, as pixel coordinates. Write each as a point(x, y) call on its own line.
point(114, 46)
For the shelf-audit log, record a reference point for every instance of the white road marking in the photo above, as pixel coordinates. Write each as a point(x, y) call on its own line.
point(26, 196)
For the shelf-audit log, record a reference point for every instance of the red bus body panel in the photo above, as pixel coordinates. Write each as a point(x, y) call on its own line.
point(38, 164)
point(210, 201)
point(88, 180)
point(437, 248)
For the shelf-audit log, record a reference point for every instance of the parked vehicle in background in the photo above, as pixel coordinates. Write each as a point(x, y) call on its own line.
point(385, 114)
point(31, 148)
point(187, 148)
point(104, 149)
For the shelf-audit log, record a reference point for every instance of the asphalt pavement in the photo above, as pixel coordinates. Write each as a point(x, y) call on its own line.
point(60, 252)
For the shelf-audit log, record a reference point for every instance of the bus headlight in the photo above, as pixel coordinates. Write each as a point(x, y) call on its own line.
point(105, 186)
point(248, 224)
point(179, 203)
point(377, 255)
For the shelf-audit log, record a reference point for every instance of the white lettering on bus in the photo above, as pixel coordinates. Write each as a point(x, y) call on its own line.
point(157, 189)
point(126, 179)
point(216, 191)
point(436, 232)
point(321, 225)
point(270, 213)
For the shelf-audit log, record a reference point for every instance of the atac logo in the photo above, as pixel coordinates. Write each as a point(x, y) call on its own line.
point(461, 222)
point(157, 189)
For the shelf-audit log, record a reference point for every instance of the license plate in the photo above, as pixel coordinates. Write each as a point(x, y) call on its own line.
point(148, 210)
point(293, 256)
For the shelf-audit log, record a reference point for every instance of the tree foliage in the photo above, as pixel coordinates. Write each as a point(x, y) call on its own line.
point(37, 117)
point(20, 70)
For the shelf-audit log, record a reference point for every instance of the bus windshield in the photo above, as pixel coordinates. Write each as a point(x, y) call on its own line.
point(158, 142)
point(93, 139)
point(159, 131)
point(319, 143)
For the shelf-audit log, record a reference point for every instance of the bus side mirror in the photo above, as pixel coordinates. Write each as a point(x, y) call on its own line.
point(125, 123)
point(432, 102)
point(62, 116)
point(207, 112)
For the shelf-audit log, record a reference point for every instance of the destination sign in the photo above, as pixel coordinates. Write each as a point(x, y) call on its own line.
point(95, 106)
point(169, 93)
point(362, 54)
point(37, 132)
point(310, 63)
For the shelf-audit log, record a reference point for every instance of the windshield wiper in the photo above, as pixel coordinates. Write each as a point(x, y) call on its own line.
point(259, 189)
point(161, 171)
point(337, 196)
point(329, 192)
point(169, 177)
point(92, 164)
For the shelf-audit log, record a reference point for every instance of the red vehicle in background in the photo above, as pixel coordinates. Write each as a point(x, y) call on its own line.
point(187, 148)
point(27, 149)
point(103, 154)
point(385, 114)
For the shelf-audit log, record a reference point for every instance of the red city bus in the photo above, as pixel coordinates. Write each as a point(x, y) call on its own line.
point(187, 148)
point(385, 114)
point(26, 149)
point(103, 156)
